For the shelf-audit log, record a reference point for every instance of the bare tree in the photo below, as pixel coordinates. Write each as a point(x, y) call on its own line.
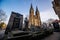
point(3, 16)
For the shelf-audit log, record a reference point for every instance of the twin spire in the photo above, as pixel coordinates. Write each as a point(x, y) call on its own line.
point(33, 9)
point(34, 17)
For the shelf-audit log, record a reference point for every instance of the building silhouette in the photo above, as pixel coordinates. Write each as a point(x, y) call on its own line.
point(15, 21)
point(56, 7)
point(34, 20)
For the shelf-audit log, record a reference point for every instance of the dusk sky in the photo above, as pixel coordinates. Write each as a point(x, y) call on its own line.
point(23, 6)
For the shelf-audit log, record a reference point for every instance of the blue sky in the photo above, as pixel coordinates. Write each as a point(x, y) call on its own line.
point(23, 6)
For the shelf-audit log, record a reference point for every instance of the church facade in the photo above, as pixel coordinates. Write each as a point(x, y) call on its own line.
point(34, 19)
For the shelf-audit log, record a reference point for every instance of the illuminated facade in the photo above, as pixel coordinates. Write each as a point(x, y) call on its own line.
point(34, 19)
point(56, 7)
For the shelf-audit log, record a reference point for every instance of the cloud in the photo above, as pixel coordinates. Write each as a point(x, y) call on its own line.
point(51, 0)
point(48, 14)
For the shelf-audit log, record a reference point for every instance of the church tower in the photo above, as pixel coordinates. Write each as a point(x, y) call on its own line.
point(31, 16)
point(34, 20)
point(38, 20)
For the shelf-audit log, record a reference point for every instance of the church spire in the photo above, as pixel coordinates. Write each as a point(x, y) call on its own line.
point(37, 10)
point(31, 16)
point(31, 6)
point(31, 9)
point(38, 16)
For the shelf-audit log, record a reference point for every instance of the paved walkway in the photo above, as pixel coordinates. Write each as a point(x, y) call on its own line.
point(54, 36)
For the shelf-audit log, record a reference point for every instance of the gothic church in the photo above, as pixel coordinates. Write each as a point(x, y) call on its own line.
point(34, 19)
